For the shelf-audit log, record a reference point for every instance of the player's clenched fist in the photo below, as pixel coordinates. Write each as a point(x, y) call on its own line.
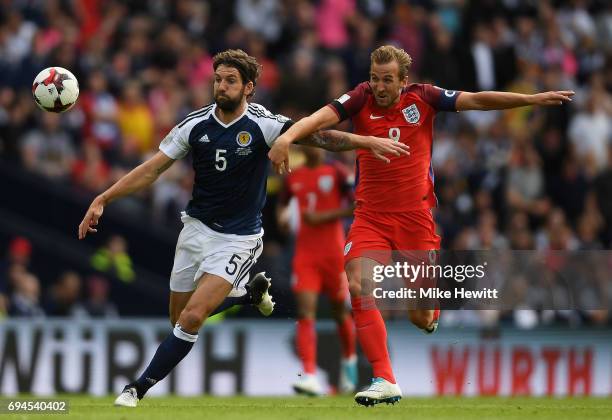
point(91, 217)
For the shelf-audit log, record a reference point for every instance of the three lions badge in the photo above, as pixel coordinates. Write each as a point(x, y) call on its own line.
point(412, 114)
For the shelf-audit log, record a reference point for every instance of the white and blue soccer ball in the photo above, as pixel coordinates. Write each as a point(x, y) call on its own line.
point(55, 89)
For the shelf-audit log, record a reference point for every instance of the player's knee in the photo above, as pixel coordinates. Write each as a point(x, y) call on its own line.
point(421, 318)
point(191, 319)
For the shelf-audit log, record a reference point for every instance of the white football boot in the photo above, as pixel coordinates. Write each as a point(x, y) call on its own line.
point(127, 398)
point(380, 391)
point(308, 385)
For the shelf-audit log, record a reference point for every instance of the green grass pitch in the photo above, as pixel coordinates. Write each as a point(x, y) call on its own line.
point(296, 408)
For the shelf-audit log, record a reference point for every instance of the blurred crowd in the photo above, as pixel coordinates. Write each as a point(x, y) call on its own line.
point(529, 178)
point(67, 295)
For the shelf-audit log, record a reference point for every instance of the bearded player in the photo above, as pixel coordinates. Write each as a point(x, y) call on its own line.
point(324, 196)
point(394, 200)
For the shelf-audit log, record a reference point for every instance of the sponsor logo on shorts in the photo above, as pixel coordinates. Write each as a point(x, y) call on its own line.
point(433, 256)
point(347, 247)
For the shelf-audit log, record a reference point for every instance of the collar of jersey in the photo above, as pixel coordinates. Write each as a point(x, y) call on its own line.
point(231, 122)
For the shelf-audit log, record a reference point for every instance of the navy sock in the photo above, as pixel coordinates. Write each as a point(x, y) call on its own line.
point(231, 301)
point(169, 353)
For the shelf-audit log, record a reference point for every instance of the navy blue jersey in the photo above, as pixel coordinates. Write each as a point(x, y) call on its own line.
point(230, 163)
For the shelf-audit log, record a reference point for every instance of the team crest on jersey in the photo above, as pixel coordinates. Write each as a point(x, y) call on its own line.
point(412, 114)
point(326, 183)
point(244, 138)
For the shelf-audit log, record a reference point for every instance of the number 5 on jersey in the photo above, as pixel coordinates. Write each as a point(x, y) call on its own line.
point(220, 160)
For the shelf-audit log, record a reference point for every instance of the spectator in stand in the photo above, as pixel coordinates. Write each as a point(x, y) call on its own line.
point(590, 132)
point(556, 235)
point(98, 304)
point(304, 81)
point(48, 150)
point(25, 300)
point(114, 259)
point(333, 20)
point(435, 62)
point(602, 199)
point(269, 79)
point(135, 118)
point(64, 298)
point(17, 261)
point(101, 111)
point(525, 189)
point(90, 171)
point(261, 17)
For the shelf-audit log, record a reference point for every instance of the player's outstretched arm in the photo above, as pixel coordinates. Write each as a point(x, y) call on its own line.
point(138, 178)
point(279, 153)
point(489, 100)
point(307, 132)
point(340, 141)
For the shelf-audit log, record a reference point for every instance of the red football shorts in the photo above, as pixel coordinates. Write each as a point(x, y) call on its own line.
point(386, 232)
point(321, 275)
point(391, 238)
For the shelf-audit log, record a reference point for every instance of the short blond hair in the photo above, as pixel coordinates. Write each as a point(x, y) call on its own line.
point(389, 53)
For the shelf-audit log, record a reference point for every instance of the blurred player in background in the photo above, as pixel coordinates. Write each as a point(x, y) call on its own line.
point(221, 237)
point(394, 201)
point(324, 196)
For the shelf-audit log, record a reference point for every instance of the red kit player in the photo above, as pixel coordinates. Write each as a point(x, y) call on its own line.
point(394, 200)
point(324, 196)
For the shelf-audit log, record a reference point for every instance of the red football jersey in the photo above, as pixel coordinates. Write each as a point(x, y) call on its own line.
point(407, 183)
point(318, 189)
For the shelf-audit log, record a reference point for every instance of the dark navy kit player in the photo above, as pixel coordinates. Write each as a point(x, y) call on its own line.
point(222, 234)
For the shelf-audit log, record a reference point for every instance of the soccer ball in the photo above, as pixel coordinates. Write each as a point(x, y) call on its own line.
point(55, 89)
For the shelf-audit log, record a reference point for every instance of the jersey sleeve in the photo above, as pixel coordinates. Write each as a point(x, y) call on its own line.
point(351, 102)
point(439, 99)
point(176, 143)
point(271, 125)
